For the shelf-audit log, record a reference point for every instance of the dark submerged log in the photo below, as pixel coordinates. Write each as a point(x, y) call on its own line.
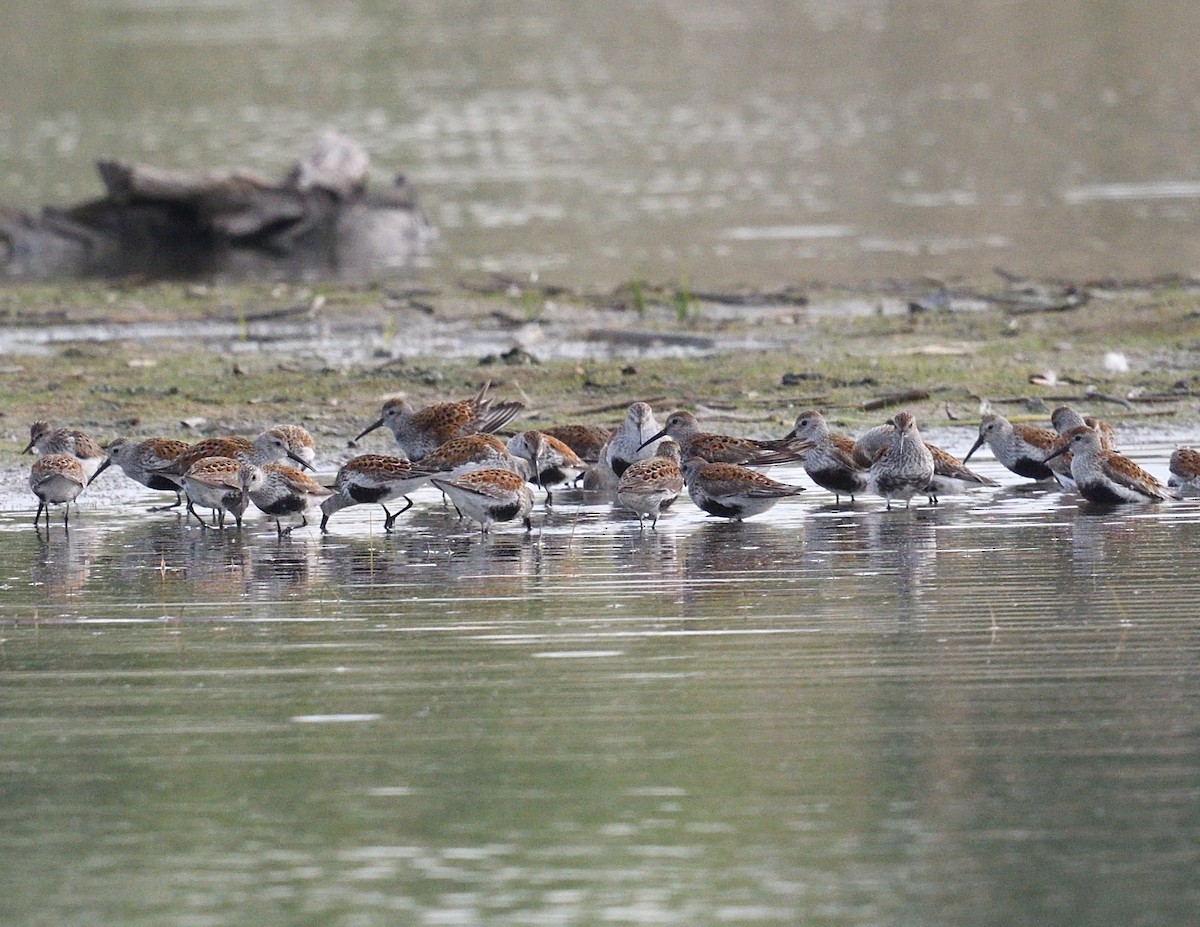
point(321, 221)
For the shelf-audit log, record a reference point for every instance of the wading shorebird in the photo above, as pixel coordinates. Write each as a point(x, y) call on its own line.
point(419, 432)
point(490, 495)
point(215, 483)
point(904, 468)
point(56, 479)
point(633, 440)
point(551, 462)
point(1185, 471)
point(732, 491)
point(950, 475)
point(649, 487)
point(49, 440)
point(1105, 477)
point(684, 429)
point(585, 440)
point(279, 490)
point(827, 456)
point(145, 462)
point(1020, 448)
point(373, 478)
point(1064, 418)
point(273, 444)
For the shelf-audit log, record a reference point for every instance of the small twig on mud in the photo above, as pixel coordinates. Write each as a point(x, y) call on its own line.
point(894, 399)
point(1104, 397)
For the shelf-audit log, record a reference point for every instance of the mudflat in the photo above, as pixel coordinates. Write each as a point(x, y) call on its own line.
point(190, 359)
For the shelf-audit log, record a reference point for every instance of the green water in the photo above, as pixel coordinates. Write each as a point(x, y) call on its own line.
point(705, 143)
point(981, 713)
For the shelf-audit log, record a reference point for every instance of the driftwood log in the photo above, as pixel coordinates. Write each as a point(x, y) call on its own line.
point(321, 221)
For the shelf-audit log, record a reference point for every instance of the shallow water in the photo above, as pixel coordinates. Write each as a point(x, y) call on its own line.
point(983, 712)
point(703, 143)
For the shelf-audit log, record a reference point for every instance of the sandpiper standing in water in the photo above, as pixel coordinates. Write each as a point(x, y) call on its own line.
point(1021, 448)
point(1105, 477)
point(373, 478)
point(827, 456)
point(1064, 419)
point(950, 475)
point(214, 483)
point(732, 491)
point(550, 461)
point(49, 440)
point(649, 487)
point(56, 479)
point(1185, 471)
point(634, 440)
point(684, 429)
point(490, 495)
point(279, 490)
point(421, 431)
point(905, 467)
point(145, 462)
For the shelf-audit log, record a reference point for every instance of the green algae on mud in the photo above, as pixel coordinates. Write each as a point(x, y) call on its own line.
point(141, 358)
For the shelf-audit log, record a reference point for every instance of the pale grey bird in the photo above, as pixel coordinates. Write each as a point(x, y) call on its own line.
point(905, 467)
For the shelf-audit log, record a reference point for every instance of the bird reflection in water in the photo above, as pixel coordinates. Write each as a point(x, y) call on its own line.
point(63, 562)
point(904, 550)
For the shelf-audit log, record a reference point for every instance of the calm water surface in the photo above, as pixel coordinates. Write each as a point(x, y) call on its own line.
point(981, 713)
point(707, 142)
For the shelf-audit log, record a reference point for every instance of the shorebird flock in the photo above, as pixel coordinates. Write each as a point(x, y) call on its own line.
point(491, 477)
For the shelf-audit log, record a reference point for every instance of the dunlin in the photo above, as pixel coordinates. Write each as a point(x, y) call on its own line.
point(868, 445)
point(49, 440)
point(827, 456)
point(1185, 471)
point(1106, 477)
point(1021, 448)
point(649, 487)
point(950, 475)
point(460, 456)
point(905, 467)
point(633, 441)
point(56, 479)
point(550, 461)
point(732, 491)
point(489, 495)
point(1064, 418)
point(279, 490)
point(373, 478)
point(683, 427)
point(273, 444)
point(470, 452)
point(585, 440)
point(145, 462)
point(421, 431)
point(299, 442)
point(215, 483)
